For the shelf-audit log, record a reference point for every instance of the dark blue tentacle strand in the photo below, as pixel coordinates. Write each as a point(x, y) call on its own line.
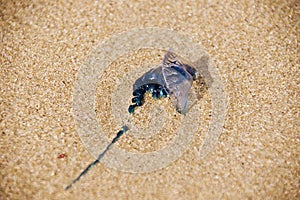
point(119, 134)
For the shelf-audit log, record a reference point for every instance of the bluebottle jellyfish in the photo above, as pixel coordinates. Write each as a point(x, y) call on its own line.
point(173, 78)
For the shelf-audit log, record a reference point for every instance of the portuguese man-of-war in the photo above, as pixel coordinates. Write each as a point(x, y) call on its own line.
point(173, 78)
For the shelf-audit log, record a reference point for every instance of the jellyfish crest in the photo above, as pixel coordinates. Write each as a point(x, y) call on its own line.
point(172, 58)
point(178, 78)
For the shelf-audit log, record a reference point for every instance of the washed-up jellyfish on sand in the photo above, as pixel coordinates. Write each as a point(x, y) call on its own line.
point(172, 78)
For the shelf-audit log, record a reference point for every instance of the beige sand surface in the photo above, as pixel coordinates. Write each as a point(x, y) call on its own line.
point(255, 47)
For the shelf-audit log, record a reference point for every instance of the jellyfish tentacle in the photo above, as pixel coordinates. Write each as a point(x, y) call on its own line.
point(100, 156)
